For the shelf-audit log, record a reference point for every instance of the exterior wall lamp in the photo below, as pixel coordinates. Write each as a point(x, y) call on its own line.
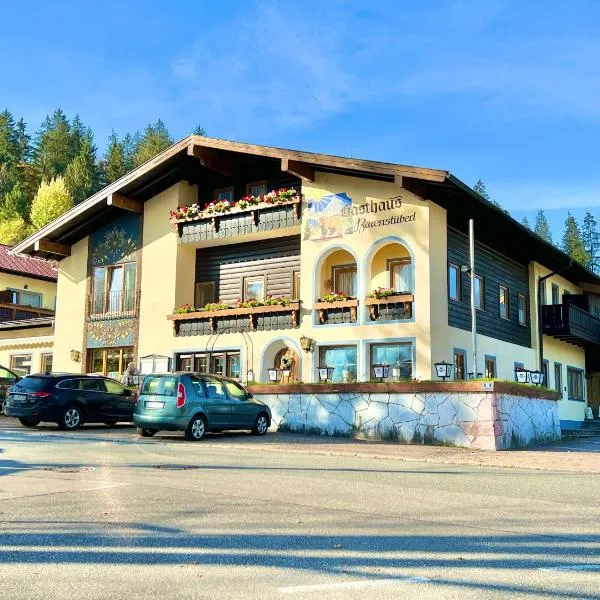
point(381, 371)
point(443, 369)
point(522, 375)
point(306, 343)
point(326, 373)
point(273, 374)
point(537, 377)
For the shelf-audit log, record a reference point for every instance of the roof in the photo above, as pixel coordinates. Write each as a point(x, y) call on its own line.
point(22, 264)
point(183, 162)
point(27, 323)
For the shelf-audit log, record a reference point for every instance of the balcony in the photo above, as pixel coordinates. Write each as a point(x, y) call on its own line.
point(570, 323)
point(338, 312)
point(232, 320)
point(18, 312)
point(390, 308)
point(237, 221)
point(113, 305)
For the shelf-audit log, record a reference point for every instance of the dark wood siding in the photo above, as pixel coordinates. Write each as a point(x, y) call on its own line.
point(496, 270)
point(275, 259)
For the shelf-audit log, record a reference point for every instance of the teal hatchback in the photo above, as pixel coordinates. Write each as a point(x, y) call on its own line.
point(196, 403)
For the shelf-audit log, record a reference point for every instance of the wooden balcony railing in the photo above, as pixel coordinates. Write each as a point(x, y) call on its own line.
point(343, 311)
point(17, 312)
point(391, 308)
point(258, 318)
point(570, 323)
point(112, 305)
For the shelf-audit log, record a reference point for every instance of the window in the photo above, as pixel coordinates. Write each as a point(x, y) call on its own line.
point(114, 387)
point(236, 391)
point(47, 363)
point(92, 385)
point(6, 374)
point(342, 359)
point(401, 275)
point(21, 364)
point(504, 298)
point(220, 363)
point(224, 194)
point(575, 383)
point(454, 291)
point(110, 362)
point(214, 389)
point(254, 288)
point(542, 288)
point(479, 287)
point(26, 298)
point(113, 289)
point(546, 372)
point(344, 280)
point(555, 294)
point(256, 188)
point(296, 285)
point(397, 356)
point(490, 367)
point(460, 365)
point(204, 293)
point(522, 303)
point(558, 378)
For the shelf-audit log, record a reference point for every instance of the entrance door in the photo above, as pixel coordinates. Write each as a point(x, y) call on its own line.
point(593, 393)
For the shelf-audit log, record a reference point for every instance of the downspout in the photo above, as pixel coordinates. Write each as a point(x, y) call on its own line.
point(539, 311)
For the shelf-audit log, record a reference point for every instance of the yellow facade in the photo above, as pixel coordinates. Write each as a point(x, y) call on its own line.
point(34, 345)
point(30, 284)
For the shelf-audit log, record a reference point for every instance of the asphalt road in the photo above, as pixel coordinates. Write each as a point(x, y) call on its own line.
point(86, 515)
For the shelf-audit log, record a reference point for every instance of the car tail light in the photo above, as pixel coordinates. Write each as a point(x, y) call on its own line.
point(180, 395)
point(39, 394)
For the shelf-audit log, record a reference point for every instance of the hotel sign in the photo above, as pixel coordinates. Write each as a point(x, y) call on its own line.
point(334, 216)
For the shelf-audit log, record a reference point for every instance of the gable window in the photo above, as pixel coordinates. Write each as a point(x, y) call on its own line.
point(555, 294)
point(254, 288)
point(522, 303)
point(504, 299)
point(479, 287)
point(113, 289)
point(454, 291)
point(344, 280)
point(490, 367)
point(224, 194)
point(256, 188)
point(575, 383)
point(400, 274)
point(204, 293)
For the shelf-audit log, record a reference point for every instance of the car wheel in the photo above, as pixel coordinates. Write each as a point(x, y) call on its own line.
point(196, 429)
point(71, 418)
point(29, 422)
point(261, 425)
point(110, 423)
point(146, 432)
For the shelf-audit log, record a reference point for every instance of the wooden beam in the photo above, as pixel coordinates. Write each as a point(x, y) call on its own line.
point(52, 247)
point(119, 201)
point(212, 159)
point(415, 186)
point(305, 171)
point(398, 180)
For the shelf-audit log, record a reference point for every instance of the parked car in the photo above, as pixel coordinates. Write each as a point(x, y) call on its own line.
point(196, 403)
point(69, 400)
point(7, 378)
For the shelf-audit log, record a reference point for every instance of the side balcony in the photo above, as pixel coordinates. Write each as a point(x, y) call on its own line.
point(570, 323)
point(18, 312)
point(222, 318)
point(113, 305)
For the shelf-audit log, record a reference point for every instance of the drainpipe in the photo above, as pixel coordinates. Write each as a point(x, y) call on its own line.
point(539, 312)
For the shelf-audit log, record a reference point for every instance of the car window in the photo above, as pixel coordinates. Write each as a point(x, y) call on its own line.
point(6, 374)
point(214, 388)
point(114, 387)
point(68, 384)
point(35, 384)
point(92, 385)
point(157, 385)
point(236, 391)
point(198, 386)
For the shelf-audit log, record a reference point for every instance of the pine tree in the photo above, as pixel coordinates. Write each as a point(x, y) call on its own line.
point(572, 243)
point(480, 188)
point(78, 133)
point(81, 176)
point(542, 228)
point(54, 146)
point(156, 138)
point(51, 201)
point(525, 222)
point(130, 143)
point(199, 130)
point(14, 148)
point(591, 241)
point(115, 160)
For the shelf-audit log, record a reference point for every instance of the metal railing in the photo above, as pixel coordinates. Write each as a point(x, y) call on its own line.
point(124, 303)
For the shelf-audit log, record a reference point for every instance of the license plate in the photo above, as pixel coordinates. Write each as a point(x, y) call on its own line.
point(154, 404)
point(19, 398)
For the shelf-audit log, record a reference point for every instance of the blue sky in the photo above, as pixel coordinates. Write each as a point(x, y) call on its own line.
point(505, 90)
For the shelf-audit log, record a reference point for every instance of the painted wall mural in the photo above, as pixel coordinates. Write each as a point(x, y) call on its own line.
point(111, 333)
point(116, 242)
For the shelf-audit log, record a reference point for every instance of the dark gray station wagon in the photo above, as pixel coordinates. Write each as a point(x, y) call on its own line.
point(197, 403)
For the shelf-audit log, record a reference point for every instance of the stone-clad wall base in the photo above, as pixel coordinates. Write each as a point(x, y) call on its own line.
point(483, 420)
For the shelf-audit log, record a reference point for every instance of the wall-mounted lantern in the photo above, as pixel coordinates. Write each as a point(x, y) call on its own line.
point(75, 355)
point(326, 373)
point(443, 369)
point(250, 376)
point(381, 371)
point(273, 374)
point(522, 375)
point(537, 377)
point(306, 343)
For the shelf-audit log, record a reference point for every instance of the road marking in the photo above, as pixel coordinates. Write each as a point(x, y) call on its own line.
point(561, 568)
point(351, 585)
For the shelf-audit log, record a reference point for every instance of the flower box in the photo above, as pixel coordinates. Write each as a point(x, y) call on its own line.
point(375, 303)
point(293, 307)
point(324, 307)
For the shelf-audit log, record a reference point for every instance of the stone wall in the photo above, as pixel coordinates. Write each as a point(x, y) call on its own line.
point(487, 420)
